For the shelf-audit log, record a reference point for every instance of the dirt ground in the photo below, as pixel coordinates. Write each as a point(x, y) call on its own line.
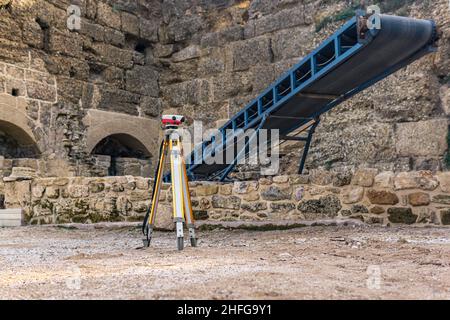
point(334, 262)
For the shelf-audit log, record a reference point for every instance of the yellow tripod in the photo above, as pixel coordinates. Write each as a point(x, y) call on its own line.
point(182, 208)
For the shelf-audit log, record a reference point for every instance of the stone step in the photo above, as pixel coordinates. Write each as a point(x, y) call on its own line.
point(11, 218)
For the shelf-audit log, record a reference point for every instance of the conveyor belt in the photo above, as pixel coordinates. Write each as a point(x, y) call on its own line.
point(351, 60)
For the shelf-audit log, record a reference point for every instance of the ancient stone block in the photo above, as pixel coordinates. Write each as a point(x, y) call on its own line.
point(292, 43)
point(150, 106)
point(188, 53)
point(250, 52)
point(445, 217)
point(364, 177)
point(190, 92)
point(382, 197)
point(325, 206)
point(52, 192)
point(282, 207)
point(226, 189)
point(41, 91)
point(416, 180)
point(119, 101)
point(341, 179)
point(359, 208)
point(206, 190)
point(78, 191)
point(287, 18)
point(298, 179)
point(185, 27)
point(230, 202)
point(384, 180)
point(112, 55)
point(444, 181)
point(149, 30)
point(228, 85)
point(143, 80)
point(114, 37)
point(222, 37)
point(200, 215)
point(276, 193)
point(401, 215)
point(352, 194)
point(419, 199)
point(280, 179)
point(377, 210)
point(321, 177)
point(254, 206)
point(93, 30)
point(441, 199)
point(107, 16)
point(130, 23)
point(423, 138)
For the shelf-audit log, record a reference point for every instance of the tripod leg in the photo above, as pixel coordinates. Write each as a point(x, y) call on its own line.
point(150, 220)
point(188, 205)
point(177, 189)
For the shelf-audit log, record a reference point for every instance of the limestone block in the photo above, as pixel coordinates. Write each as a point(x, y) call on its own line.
point(419, 199)
point(384, 180)
point(321, 177)
point(352, 194)
point(229, 202)
point(254, 206)
point(382, 197)
point(364, 177)
point(416, 180)
point(188, 53)
point(206, 190)
point(444, 181)
point(276, 193)
point(130, 23)
point(143, 80)
point(250, 52)
point(423, 138)
point(282, 207)
point(107, 16)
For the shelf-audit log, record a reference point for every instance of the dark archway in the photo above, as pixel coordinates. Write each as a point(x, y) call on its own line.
point(15, 143)
point(119, 147)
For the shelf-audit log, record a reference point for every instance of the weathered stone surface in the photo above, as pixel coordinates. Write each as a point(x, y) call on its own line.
point(382, 197)
point(276, 193)
point(441, 199)
point(401, 215)
point(230, 202)
point(423, 138)
point(364, 177)
point(445, 217)
point(206, 190)
point(250, 52)
point(188, 53)
point(325, 206)
point(416, 180)
point(384, 180)
point(321, 177)
point(194, 92)
point(358, 208)
point(282, 207)
point(342, 179)
point(444, 181)
point(352, 194)
point(377, 210)
point(254, 206)
point(143, 80)
point(298, 179)
point(419, 199)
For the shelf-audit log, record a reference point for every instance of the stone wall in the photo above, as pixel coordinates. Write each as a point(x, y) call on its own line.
point(133, 59)
point(374, 197)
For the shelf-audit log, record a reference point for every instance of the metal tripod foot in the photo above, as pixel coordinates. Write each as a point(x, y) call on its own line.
point(180, 243)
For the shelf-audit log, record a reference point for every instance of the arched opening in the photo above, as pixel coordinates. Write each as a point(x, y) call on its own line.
point(122, 154)
point(15, 143)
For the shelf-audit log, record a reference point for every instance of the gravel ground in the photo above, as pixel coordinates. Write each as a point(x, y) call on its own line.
point(334, 262)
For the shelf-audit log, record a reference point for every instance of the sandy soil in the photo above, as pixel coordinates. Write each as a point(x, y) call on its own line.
point(356, 262)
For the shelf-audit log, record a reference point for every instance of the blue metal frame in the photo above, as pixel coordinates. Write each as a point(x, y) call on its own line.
point(259, 109)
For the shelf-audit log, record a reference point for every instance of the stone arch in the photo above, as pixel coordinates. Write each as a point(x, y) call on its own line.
point(134, 137)
point(14, 126)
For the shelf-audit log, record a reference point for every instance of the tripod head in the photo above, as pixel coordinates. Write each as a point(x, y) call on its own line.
point(172, 121)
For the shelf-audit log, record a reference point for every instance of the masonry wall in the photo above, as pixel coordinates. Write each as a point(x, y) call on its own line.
point(371, 196)
point(131, 60)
